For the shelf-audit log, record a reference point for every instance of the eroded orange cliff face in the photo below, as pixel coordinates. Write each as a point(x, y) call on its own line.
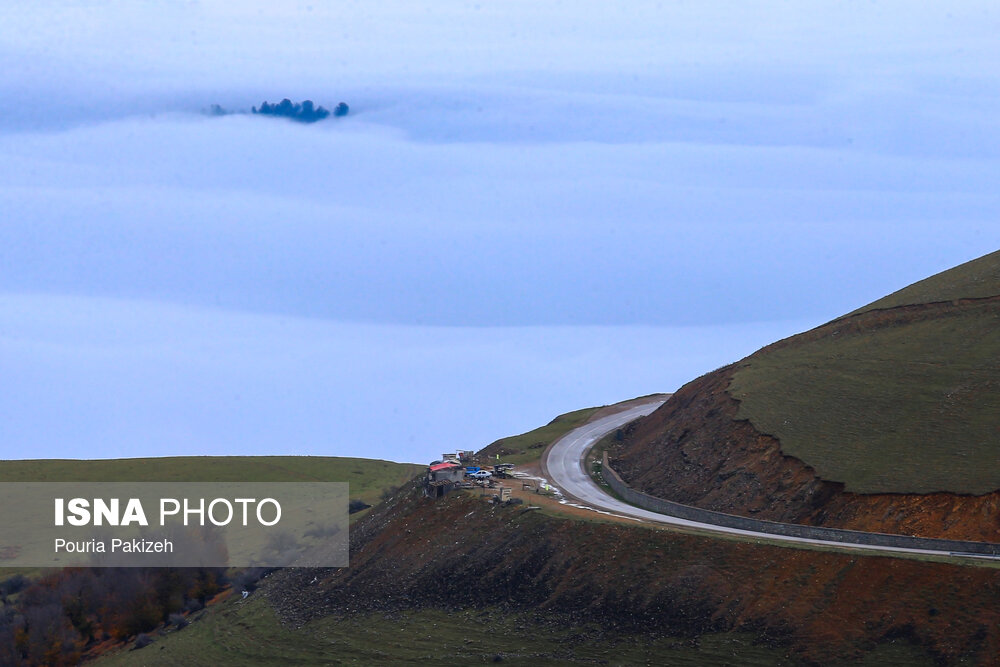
point(695, 451)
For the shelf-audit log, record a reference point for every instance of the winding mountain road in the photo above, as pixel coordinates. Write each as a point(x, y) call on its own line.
point(565, 466)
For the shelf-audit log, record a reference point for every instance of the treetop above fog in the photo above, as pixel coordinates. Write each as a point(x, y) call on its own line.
point(306, 112)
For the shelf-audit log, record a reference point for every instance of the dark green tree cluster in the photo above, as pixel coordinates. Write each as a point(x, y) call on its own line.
point(307, 112)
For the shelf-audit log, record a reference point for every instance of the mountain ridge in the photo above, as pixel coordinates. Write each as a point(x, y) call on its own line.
point(883, 420)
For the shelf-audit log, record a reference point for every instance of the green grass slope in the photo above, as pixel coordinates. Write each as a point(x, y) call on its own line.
point(528, 447)
point(902, 396)
point(251, 634)
point(977, 279)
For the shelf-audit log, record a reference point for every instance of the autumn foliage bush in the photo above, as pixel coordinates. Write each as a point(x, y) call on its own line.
point(55, 619)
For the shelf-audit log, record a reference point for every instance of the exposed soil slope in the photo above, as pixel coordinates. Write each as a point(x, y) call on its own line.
point(695, 450)
point(887, 419)
point(463, 553)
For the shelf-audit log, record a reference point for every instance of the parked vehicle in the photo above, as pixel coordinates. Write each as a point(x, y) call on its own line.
point(481, 474)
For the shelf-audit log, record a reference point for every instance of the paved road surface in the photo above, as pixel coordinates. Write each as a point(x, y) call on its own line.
point(564, 462)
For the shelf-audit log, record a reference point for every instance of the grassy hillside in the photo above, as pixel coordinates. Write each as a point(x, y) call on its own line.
point(251, 634)
point(460, 581)
point(903, 396)
point(368, 478)
point(528, 447)
point(977, 279)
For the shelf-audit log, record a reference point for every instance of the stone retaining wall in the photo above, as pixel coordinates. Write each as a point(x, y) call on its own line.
point(670, 508)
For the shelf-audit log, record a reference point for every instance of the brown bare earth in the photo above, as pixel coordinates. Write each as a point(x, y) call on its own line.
point(696, 451)
point(613, 581)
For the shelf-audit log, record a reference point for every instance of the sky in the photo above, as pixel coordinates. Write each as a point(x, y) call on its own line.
point(531, 207)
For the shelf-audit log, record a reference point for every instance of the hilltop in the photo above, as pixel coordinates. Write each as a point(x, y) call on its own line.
point(977, 279)
point(884, 419)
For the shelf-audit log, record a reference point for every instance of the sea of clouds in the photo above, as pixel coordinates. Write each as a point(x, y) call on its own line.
point(531, 208)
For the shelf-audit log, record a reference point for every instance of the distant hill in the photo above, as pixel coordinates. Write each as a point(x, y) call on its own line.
point(369, 479)
point(885, 419)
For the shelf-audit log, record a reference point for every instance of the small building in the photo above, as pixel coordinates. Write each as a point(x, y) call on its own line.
point(447, 471)
point(442, 478)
